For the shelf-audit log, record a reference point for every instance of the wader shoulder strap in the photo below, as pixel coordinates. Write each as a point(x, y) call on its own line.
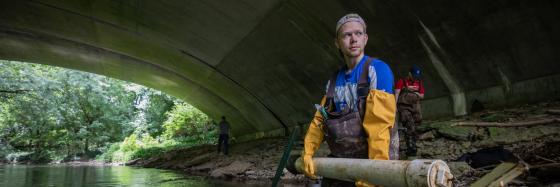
point(363, 81)
point(329, 103)
point(332, 85)
point(365, 72)
point(363, 84)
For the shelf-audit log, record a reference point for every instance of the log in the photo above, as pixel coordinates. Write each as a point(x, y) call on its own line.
point(513, 124)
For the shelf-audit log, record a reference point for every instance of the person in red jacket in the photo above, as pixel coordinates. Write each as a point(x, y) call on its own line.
point(409, 91)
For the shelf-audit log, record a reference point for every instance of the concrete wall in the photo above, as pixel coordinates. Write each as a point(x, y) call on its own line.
point(498, 96)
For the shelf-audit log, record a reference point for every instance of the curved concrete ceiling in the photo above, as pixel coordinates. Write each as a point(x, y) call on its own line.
point(264, 63)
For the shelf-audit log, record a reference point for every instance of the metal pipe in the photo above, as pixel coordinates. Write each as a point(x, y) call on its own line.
point(417, 173)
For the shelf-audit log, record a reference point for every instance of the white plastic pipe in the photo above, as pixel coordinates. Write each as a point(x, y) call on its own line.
point(428, 173)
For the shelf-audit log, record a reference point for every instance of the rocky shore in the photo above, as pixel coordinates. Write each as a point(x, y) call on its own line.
point(251, 161)
point(513, 130)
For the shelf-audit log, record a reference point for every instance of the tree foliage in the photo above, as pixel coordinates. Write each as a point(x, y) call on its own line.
point(53, 113)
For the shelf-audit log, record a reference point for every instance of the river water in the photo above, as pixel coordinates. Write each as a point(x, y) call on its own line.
point(64, 175)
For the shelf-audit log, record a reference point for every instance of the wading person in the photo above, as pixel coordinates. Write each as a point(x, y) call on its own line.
point(409, 91)
point(224, 136)
point(358, 110)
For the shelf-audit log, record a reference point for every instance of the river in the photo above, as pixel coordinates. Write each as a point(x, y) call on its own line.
point(64, 175)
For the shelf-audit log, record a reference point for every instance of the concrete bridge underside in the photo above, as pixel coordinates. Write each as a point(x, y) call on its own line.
point(264, 63)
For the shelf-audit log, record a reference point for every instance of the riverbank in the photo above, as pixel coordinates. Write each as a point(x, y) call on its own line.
point(251, 161)
point(442, 139)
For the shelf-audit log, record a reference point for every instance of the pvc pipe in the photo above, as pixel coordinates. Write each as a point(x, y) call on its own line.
point(417, 173)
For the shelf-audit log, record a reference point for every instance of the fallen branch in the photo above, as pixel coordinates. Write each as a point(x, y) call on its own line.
point(554, 112)
point(513, 124)
point(545, 165)
point(543, 158)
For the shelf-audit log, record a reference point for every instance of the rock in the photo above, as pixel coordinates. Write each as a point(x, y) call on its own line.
point(426, 127)
point(444, 128)
point(458, 168)
point(203, 167)
point(166, 165)
point(502, 136)
point(427, 136)
point(169, 155)
point(466, 145)
point(197, 160)
point(151, 162)
point(456, 133)
point(495, 132)
point(457, 152)
point(132, 162)
point(233, 169)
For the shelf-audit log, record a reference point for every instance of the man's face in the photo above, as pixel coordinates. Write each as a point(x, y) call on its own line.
point(351, 39)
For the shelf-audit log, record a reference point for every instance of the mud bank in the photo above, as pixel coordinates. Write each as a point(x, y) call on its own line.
point(250, 162)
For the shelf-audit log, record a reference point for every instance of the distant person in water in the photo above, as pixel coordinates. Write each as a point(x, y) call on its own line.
point(224, 136)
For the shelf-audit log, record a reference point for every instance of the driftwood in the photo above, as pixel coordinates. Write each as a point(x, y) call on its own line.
point(554, 112)
point(513, 124)
point(545, 165)
point(501, 175)
point(543, 158)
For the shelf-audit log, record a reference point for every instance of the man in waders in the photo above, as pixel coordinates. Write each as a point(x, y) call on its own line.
point(409, 92)
point(358, 110)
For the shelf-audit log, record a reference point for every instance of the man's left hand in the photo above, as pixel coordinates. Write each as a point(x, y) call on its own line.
point(361, 183)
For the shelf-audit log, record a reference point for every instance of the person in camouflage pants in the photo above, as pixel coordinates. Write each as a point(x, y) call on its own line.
point(409, 92)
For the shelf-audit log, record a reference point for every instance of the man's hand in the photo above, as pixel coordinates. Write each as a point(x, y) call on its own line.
point(309, 167)
point(361, 183)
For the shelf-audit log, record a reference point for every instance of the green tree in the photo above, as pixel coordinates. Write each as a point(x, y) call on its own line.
point(49, 108)
point(187, 123)
point(53, 113)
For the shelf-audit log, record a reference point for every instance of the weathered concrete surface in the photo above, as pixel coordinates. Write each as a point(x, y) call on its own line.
point(264, 63)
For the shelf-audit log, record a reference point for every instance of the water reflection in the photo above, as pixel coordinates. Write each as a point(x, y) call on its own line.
point(21, 175)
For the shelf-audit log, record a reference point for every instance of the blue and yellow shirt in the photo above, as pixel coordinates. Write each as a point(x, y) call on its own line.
point(380, 77)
